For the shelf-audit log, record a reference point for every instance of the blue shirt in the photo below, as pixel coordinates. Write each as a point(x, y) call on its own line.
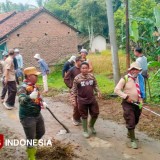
point(43, 67)
point(141, 85)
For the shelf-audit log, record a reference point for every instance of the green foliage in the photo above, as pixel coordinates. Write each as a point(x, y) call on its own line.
point(10, 6)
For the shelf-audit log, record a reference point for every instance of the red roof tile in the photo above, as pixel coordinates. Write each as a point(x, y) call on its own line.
point(16, 20)
point(6, 15)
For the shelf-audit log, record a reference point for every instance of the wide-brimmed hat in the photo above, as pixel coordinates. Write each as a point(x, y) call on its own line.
point(31, 70)
point(37, 56)
point(83, 51)
point(134, 65)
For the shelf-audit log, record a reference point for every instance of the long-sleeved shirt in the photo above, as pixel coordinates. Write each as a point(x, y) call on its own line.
point(66, 67)
point(128, 88)
point(19, 60)
point(84, 87)
point(71, 74)
point(27, 106)
point(43, 67)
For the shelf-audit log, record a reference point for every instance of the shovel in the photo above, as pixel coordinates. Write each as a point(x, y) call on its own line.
point(67, 130)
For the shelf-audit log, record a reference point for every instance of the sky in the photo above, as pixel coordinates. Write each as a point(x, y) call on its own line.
point(22, 1)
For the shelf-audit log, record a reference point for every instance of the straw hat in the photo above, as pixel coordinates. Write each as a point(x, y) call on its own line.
point(31, 70)
point(135, 66)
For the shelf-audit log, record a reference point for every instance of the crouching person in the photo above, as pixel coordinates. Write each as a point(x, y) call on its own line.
point(30, 104)
point(131, 89)
point(83, 89)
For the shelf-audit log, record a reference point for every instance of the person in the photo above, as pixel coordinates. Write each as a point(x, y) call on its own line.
point(68, 80)
point(68, 65)
point(142, 61)
point(19, 68)
point(45, 71)
point(9, 80)
point(131, 89)
point(84, 54)
point(82, 92)
point(19, 58)
point(30, 104)
point(4, 87)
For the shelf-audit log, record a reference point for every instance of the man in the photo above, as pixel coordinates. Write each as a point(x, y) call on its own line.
point(19, 68)
point(45, 71)
point(142, 61)
point(68, 65)
point(9, 80)
point(84, 85)
point(30, 104)
point(131, 90)
point(84, 54)
point(68, 80)
point(19, 58)
point(4, 87)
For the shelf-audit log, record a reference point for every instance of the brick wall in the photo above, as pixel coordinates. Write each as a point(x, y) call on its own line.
point(44, 35)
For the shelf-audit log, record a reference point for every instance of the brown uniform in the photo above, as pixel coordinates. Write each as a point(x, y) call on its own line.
point(83, 88)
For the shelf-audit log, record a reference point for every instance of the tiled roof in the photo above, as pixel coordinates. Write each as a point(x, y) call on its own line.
point(16, 20)
point(5, 15)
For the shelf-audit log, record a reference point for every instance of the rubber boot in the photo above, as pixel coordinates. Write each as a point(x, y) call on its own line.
point(133, 139)
point(31, 152)
point(128, 134)
point(85, 130)
point(91, 125)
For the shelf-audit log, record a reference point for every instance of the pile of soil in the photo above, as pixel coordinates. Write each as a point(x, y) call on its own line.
point(57, 151)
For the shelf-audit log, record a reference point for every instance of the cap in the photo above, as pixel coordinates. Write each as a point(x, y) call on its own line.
point(83, 51)
point(134, 65)
point(73, 58)
point(16, 50)
point(31, 70)
point(37, 56)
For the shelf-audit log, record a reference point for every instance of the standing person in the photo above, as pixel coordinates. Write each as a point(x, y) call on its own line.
point(4, 87)
point(84, 54)
point(131, 90)
point(142, 61)
point(68, 80)
point(82, 92)
point(30, 104)
point(19, 68)
point(9, 80)
point(68, 65)
point(45, 71)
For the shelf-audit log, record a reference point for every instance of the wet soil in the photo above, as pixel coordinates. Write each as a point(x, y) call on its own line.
point(110, 142)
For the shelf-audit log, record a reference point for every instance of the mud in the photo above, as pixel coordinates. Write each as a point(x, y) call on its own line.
point(110, 142)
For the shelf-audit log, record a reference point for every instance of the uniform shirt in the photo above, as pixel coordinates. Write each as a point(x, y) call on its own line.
point(71, 74)
point(128, 87)
point(9, 65)
point(84, 87)
point(27, 106)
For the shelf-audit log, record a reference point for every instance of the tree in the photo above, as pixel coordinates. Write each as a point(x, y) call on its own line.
point(112, 35)
point(40, 3)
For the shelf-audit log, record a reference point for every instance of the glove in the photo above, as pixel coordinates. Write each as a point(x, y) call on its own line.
point(140, 106)
point(34, 94)
point(44, 105)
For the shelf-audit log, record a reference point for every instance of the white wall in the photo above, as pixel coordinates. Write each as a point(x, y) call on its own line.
point(99, 43)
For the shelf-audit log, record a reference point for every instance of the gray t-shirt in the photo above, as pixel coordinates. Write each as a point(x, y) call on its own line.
point(142, 61)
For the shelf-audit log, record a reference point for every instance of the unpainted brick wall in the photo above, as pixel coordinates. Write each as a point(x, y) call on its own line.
point(45, 35)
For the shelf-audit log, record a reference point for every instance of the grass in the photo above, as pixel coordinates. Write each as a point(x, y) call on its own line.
point(102, 64)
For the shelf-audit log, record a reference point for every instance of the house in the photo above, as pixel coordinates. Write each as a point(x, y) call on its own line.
point(98, 44)
point(37, 31)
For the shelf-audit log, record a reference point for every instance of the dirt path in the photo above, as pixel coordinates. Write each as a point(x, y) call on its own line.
point(109, 143)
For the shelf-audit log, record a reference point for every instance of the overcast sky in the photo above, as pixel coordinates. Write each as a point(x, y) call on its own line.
point(22, 1)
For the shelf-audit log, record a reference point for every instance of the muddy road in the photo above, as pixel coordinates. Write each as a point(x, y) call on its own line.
point(110, 143)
